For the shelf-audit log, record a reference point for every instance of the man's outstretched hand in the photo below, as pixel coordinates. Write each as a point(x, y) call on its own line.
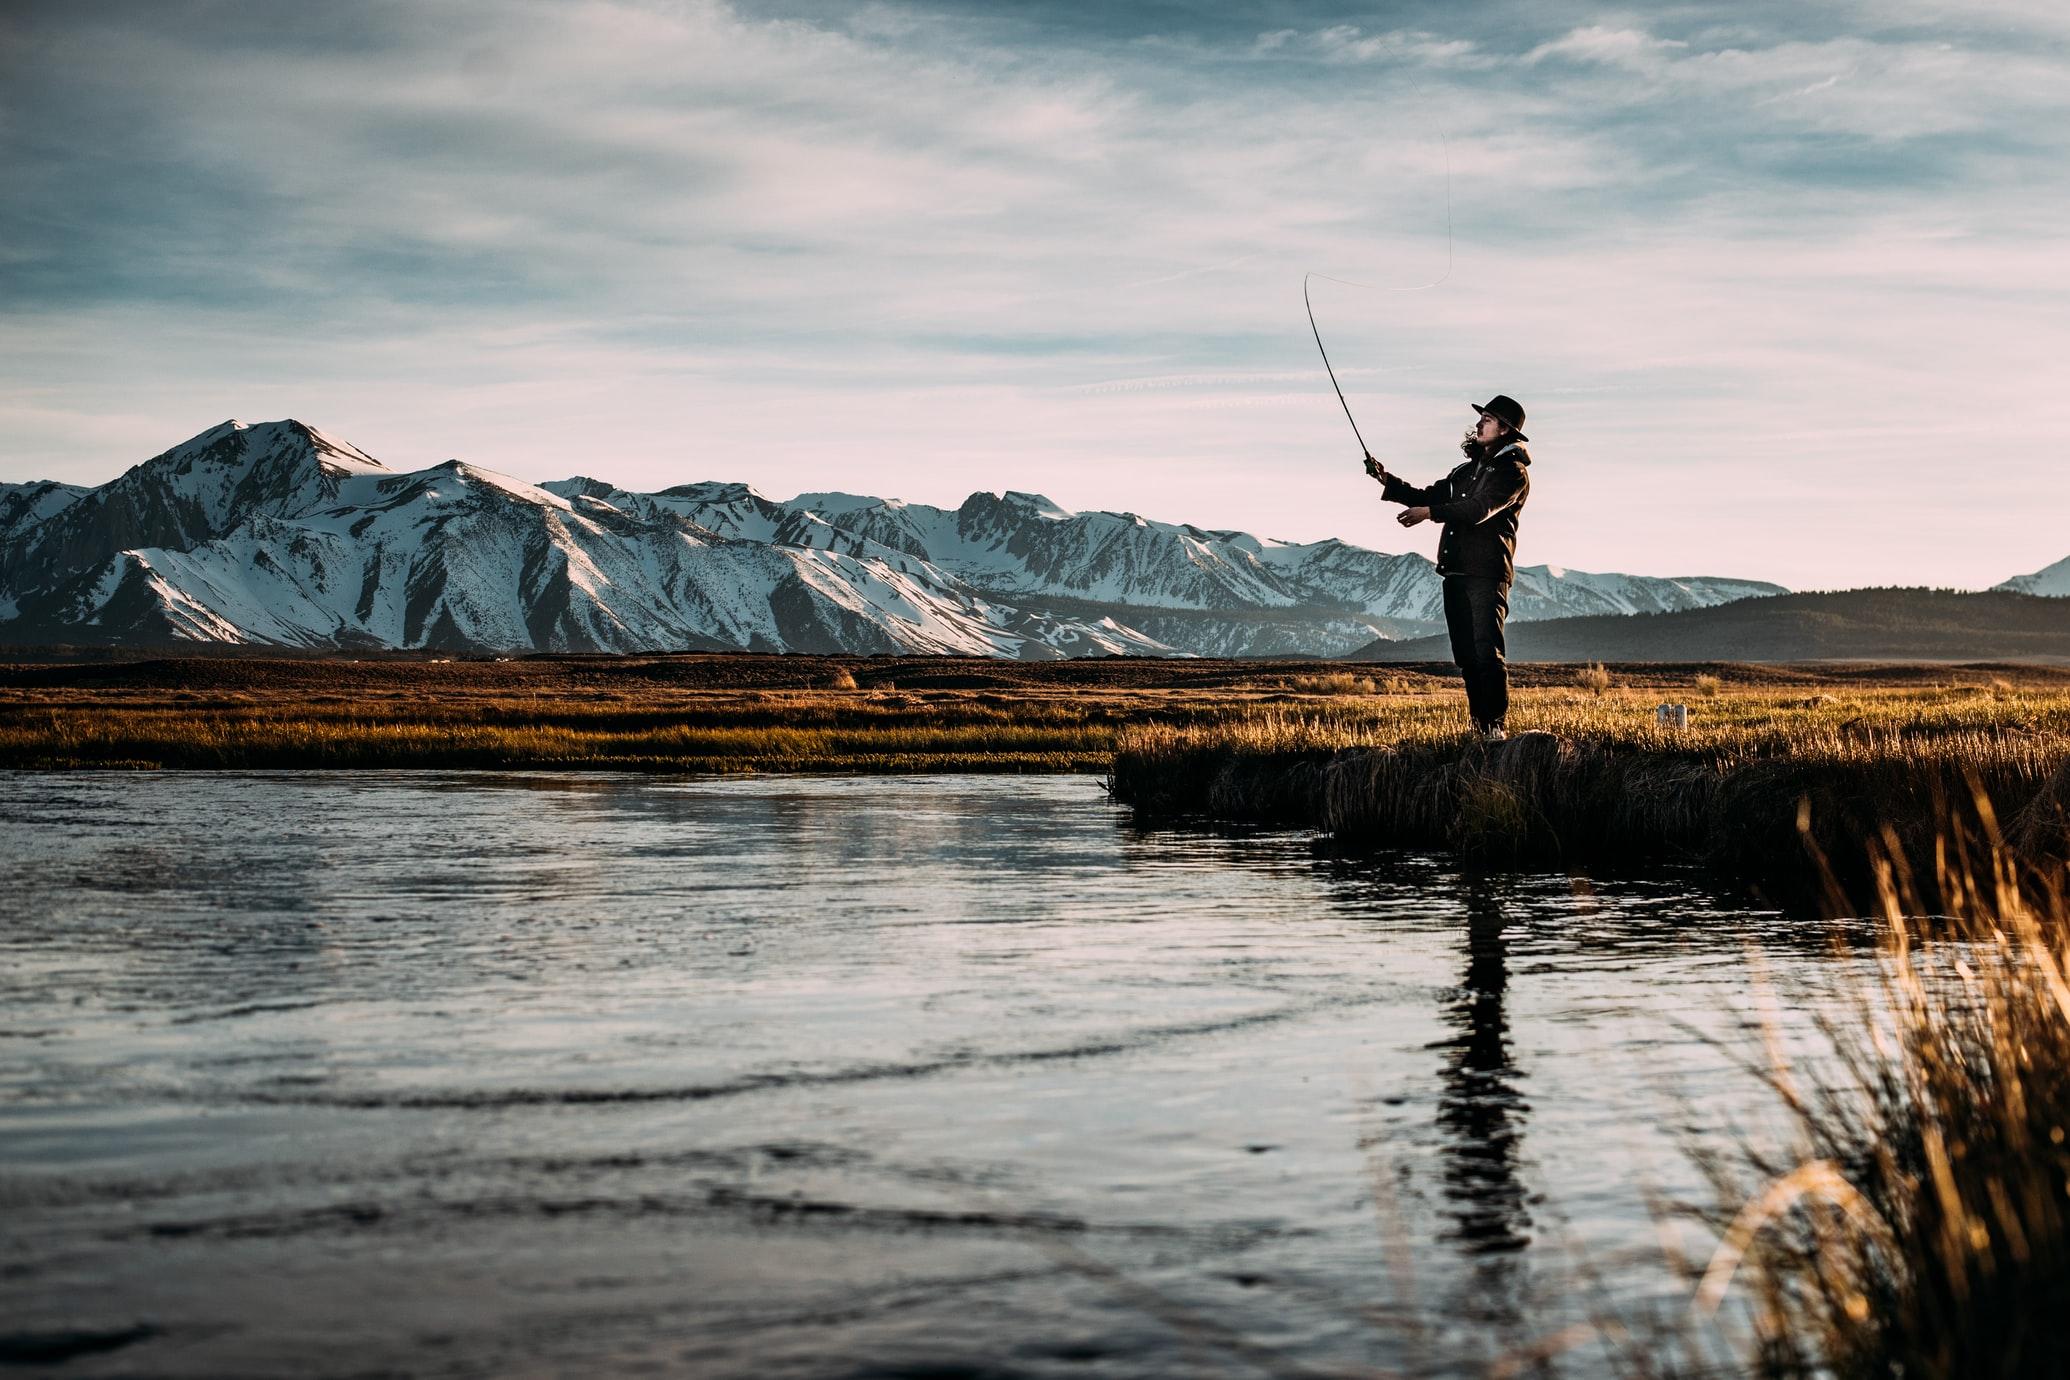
point(1409, 517)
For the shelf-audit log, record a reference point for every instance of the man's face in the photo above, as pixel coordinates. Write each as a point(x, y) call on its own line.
point(1488, 431)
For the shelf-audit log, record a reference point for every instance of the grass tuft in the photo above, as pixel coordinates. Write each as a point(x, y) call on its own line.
point(1335, 683)
point(1921, 1224)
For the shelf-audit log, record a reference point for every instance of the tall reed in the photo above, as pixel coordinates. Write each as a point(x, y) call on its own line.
point(1921, 1226)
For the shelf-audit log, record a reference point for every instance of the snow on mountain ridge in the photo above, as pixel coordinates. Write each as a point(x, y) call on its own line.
point(516, 488)
point(1038, 506)
point(833, 504)
point(1023, 545)
point(198, 490)
point(1544, 591)
point(22, 506)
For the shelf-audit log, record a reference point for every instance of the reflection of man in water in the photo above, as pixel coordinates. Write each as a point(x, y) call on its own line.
point(1480, 1110)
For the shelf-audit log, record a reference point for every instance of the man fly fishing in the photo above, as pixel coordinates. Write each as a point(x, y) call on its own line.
point(1478, 503)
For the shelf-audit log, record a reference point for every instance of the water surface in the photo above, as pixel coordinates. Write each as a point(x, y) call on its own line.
point(471, 1074)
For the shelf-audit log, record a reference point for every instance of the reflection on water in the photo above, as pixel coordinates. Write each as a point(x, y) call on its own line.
point(1483, 1115)
point(815, 1077)
point(1480, 1108)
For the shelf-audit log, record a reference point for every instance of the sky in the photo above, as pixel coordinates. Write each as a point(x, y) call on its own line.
point(1782, 285)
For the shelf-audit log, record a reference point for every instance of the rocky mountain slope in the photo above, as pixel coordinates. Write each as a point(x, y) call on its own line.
point(22, 506)
point(277, 534)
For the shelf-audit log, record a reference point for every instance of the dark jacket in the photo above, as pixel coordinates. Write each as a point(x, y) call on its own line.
point(1478, 503)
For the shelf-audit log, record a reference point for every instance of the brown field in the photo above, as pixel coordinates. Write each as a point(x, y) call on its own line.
point(715, 713)
point(674, 713)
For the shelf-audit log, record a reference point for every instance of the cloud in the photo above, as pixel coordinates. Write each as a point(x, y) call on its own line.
point(925, 248)
point(1349, 43)
point(1633, 49)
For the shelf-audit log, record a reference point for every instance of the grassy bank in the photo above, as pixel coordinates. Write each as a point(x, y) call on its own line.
point(1590, 781)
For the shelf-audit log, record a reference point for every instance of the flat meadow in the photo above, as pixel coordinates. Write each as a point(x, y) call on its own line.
point(721, 713)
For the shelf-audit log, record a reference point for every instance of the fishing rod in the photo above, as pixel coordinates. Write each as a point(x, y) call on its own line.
point(1316, 331)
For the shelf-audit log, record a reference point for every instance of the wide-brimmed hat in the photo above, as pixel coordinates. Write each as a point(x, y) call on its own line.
point(1506, 410)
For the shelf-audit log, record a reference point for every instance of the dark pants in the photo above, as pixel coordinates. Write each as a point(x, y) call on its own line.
point(1475, 610)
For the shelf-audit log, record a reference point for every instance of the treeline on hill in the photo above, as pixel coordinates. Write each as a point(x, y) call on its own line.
point(1858, 624)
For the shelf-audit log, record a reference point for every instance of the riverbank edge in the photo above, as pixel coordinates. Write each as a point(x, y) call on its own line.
point(345, 764)
point(1794, 830)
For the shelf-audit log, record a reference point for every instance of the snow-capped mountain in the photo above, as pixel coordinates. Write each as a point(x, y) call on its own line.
point(277, 534)
point(2050, 580)
point(1017, 544)
point(1551, 591)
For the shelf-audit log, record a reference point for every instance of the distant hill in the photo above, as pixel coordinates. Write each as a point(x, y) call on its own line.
point(1854, 624)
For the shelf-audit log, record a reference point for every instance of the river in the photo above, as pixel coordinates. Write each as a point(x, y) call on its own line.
point(478, 1074)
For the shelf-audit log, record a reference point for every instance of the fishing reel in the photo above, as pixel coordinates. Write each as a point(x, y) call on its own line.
point(1374, 469)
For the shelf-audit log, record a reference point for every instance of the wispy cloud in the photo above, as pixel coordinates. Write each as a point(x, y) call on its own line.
point(1632, 49)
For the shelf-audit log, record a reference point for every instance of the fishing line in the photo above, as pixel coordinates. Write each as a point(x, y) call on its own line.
point(1316, 331)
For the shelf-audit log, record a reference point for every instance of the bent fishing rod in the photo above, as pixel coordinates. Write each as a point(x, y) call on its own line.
point(1317, 333)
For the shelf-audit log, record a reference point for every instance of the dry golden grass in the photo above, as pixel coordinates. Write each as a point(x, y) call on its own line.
point(1336, 683)
point(801, 730)
point(1737, 722)
point(846, 718)
point(1920, 1225)
point(826, 715)
point(1913, 1218)
point(1590, 779)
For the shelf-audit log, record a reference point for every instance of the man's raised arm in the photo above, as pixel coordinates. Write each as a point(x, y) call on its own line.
point(1397, 490)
